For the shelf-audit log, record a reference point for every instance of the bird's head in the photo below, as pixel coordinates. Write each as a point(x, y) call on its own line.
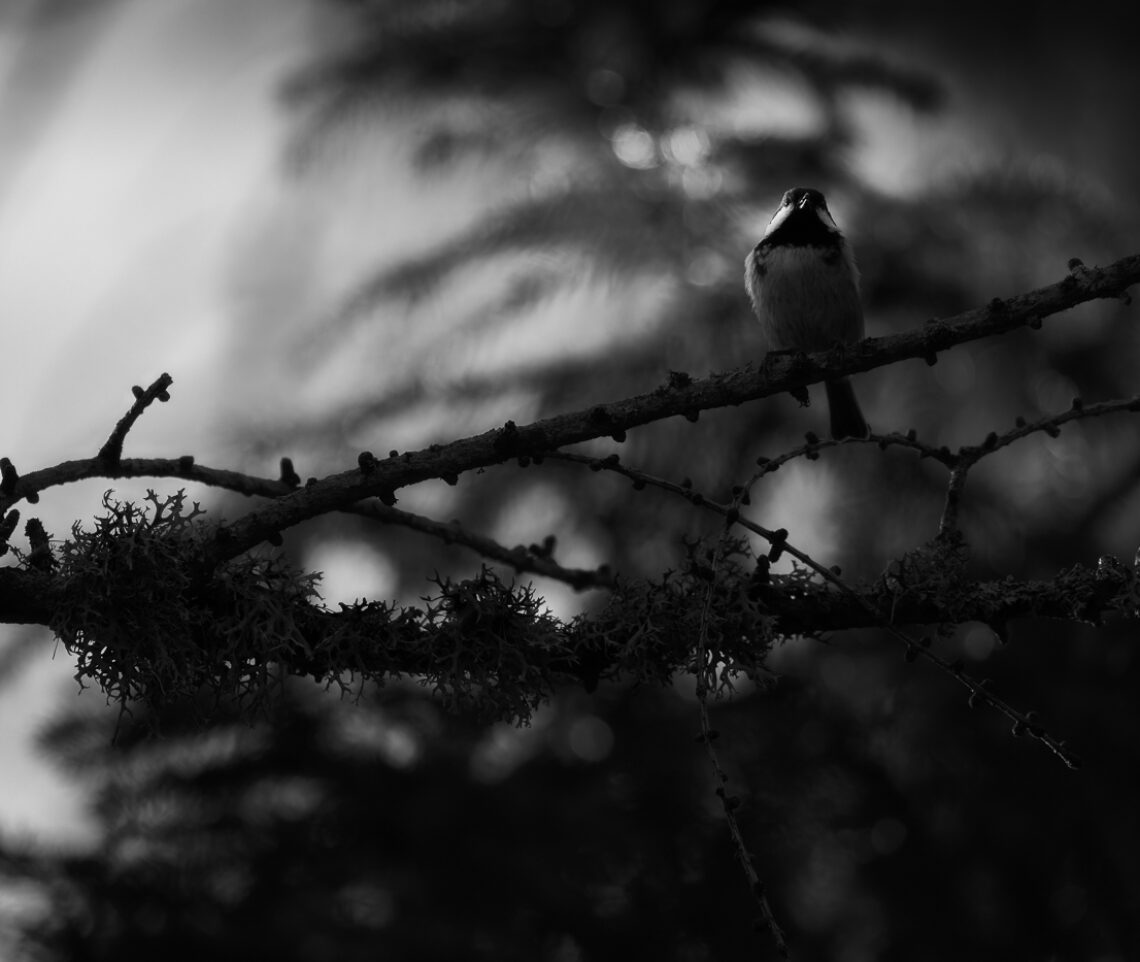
point(802, 219)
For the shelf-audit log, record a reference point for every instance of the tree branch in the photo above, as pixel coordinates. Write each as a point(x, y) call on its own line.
point(680, 396)
point(1077, 594)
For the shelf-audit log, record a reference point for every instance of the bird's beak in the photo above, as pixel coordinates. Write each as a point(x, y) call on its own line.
point(803, 202)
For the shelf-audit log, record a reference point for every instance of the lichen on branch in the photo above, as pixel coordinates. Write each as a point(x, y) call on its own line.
point(150, 624)
point(147, 623)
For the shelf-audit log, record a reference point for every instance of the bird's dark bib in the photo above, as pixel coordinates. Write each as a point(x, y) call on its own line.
point(803, 229)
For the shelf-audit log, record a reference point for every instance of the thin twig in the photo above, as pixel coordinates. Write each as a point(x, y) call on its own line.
point(967, 457)
point(705, 669)
point(112, 449)
point(535, 559)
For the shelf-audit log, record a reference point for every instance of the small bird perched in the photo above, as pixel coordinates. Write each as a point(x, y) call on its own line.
point(804, 287)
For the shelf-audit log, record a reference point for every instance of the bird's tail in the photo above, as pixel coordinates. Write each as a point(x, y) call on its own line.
point(846, 416)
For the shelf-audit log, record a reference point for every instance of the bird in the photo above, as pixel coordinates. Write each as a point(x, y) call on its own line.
point(804, 287)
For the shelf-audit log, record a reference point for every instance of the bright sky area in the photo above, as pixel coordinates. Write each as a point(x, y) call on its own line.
point(120, 187)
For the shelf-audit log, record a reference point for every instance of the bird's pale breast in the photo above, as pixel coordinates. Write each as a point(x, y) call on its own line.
point(807, 299)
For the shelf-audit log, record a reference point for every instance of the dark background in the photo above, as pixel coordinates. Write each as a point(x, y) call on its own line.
point(584, 179)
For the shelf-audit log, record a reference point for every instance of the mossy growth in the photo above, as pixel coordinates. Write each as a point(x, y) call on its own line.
point(147, 621)
point(150, 620)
